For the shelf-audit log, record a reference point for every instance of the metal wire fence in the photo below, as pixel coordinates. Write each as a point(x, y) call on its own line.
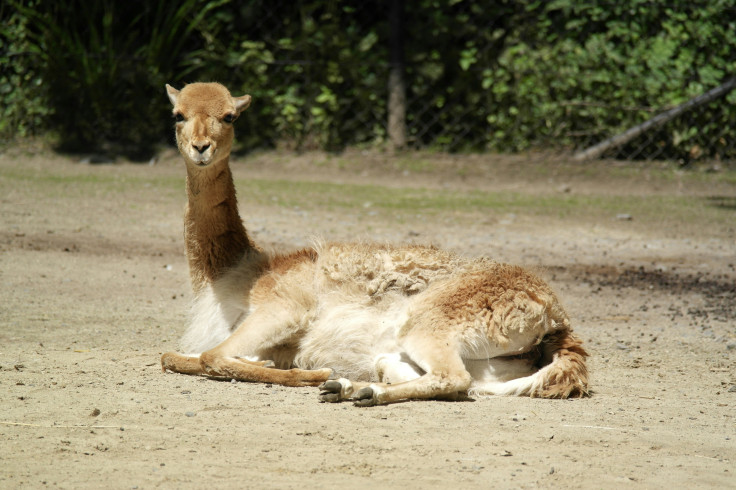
point(450, 75)
point(503, 77)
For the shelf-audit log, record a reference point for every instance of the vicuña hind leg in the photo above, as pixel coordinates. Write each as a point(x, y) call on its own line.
point(445, 377)
point(390, 368)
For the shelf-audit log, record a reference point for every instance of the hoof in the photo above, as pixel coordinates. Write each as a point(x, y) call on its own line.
point(332, 386)
point(365, 397)
point(329, 397)
point(331, 391)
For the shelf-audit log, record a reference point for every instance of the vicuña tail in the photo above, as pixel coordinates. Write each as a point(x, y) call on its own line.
point(563, 373)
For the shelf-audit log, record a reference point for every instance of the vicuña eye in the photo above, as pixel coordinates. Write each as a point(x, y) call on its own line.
point(178, 117)
point(229, 118)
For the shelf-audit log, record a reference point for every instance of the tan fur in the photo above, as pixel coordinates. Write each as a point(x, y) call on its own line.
point(215, 236)
point(395, 322)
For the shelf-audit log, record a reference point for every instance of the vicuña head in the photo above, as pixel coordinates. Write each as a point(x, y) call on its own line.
point(204, 114)
point(216, 240)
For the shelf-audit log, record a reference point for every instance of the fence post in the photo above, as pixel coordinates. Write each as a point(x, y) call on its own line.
point(396, 84)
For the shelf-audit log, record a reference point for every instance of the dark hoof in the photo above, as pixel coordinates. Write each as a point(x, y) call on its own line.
point(364, 398)
point(329, 397)
point(331, 386)
point(331, 391)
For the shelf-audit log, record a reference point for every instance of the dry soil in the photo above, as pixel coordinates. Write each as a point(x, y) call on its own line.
point(94, 287)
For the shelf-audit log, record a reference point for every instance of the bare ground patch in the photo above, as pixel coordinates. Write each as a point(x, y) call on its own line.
point(94, 287)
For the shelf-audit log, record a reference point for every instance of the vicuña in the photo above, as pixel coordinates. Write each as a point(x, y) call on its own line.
point(391, 322)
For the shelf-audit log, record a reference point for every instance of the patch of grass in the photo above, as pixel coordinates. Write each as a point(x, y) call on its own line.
point(93, 181)
point(656, 210)
point(667, 213)
point(664, 172)
point(414, 163)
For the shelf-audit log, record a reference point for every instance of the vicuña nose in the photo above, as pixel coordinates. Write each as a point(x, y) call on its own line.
point(201, 147)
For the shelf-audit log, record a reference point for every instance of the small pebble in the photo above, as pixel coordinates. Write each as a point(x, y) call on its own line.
point(189, 414)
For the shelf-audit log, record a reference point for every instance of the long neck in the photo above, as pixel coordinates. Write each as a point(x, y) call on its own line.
point(216, 239)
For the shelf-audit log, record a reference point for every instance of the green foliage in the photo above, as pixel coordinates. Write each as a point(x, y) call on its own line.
point(569, 73)
point(23, 110)
point(519, 74)
point(102, 67)
point(316, 70)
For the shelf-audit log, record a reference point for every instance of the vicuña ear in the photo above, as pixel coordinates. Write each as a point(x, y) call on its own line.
point(241, 103)
point(172, 93)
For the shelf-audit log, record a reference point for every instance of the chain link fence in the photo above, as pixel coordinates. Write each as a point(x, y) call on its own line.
point(446, 75)
point(507, 76)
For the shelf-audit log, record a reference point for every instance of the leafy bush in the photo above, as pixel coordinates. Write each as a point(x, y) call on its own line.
point(310, 66)
point(521, 74)
point(24, 110)
point(569, 73)
point(103, 65)
point(595, 69)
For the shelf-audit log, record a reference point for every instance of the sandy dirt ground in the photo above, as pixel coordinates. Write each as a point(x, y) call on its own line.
point(94, 287)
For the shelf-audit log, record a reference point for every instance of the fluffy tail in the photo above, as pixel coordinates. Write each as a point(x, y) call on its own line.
point(563, 373)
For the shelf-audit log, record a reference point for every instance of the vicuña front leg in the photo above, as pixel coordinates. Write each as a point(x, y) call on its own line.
point(261, 332)
point(212, 363)
point(179, 363)
point(216, 364)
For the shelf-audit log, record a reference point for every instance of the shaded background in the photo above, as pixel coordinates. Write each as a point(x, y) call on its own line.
point(501, 76)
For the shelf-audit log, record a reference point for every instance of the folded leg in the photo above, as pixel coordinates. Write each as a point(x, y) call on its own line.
point(444, 377)
point(268, 331)
point(390, 368)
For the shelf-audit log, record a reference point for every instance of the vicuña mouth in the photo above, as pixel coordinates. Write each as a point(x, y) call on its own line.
point(202, 160)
